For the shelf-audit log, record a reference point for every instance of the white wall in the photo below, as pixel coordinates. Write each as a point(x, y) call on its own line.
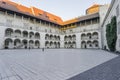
point(107, 20)
point(22, 24)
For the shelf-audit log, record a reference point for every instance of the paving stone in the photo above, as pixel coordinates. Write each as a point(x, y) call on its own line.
point(107, 71)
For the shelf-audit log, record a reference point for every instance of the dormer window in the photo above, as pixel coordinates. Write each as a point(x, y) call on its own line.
point(47, 17)
point(55, 19)
point(40, 14)
point(4, 2)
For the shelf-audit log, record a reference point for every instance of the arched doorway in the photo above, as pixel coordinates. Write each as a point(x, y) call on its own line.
point(31, 44)
point(83, 36)
point(8, 32)
point(70, 45)
point(37, 44)
point(89, 44)
point(74, 44)
point(89, 36)
point(51, 37)
point(65, 38)
point(47, 44)
point(65, 45)
point(83, 45)
point(25, 34)
point(37, 35)
point(17, 33)
point(25, 43)
point(17, 43)
point(47, 37)
point(31, 35)
point(8, 43)
point(95, 44)
point(58, 44)
point(73, 37)
point(95, 35)
point(51, 44)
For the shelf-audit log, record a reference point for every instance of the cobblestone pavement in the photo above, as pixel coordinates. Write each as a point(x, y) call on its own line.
point(107, 71)
point(52, 64)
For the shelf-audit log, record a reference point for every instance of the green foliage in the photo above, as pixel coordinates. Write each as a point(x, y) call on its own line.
point(111, 34)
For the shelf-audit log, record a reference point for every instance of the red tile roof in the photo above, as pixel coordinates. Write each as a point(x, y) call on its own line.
point(7, 4)
point(38, 13)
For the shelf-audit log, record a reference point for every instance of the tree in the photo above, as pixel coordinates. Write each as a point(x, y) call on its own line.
point(111, 34)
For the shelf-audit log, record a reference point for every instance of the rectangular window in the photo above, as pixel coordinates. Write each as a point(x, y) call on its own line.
point(2, 12)
point(47, 17)
point(118, 27)
point(117, 11)
point(9, 23)
point(10, 14)
point(119, 42)
point(40, 14)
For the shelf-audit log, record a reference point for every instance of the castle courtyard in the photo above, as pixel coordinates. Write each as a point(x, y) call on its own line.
point(50, 64)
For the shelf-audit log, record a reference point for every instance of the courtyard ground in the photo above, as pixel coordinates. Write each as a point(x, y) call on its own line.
point(52, 64)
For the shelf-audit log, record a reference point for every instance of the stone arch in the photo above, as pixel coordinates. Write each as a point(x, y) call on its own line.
point(96, 44)
point(8, 32)
point(31, 34)
point(58, 37)
point(37, 35)
point(74, 44)
point(65, 44)
point(55, 37)
point(83, 36)
point(74, 37)
point(70, 37)
point(95, 35)
point(51, 37)
point(65, 38)
point(17, 43)
point(55, 45)
point(51, 43)
point(69, 44)
point(83, 44)
point(89, 35)
point(25, 34)
point(47, 44)
point(89, 44)
point(25, 43)
point(58, 44)
point(8, 43)
point(37, 44)
point(47, 37)
point(17, 33)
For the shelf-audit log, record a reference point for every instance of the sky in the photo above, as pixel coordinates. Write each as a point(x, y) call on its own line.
point(66, 9)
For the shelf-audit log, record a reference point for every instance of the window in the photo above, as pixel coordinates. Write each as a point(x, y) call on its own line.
point(47, 17)
point(10, 14)
point(55, 19)
point(18, 16)
point(45, 30)
point(117, 11)
point(30, 28)
point(9, 22)
point(4, 2)
point(118, 28)
point(119, 42)
point(40, 14)
point(71, 31)
point(2, 12)
point(25, 24)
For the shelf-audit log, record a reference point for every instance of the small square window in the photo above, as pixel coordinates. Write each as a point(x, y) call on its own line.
point(30, 28)
point(4, 2)
point(47, 17)
point(40, 14)
point(117, 11)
